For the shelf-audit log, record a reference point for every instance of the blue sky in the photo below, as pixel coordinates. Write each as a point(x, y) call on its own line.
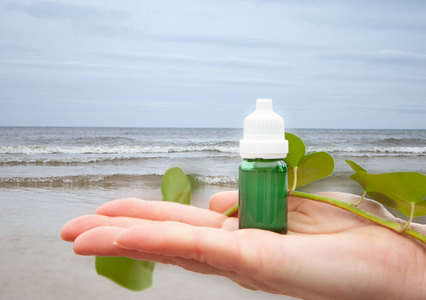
point(325, 64)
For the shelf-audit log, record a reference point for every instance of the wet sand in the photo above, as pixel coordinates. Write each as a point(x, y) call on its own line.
point(36, 264)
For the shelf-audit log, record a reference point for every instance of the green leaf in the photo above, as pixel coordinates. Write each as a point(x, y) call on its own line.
point(132, 274)
point(312, 167)
point(304, 169)
point(136, 275)
point(399, 190)
point(355, 167)
point(296, 150)
point(175, 186)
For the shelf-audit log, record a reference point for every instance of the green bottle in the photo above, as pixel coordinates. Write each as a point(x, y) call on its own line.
point(263, 174)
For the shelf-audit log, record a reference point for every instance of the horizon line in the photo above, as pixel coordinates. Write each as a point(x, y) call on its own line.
point(185, 127)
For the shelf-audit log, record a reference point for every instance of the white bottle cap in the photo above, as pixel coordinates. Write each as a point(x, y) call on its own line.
point(263, 133)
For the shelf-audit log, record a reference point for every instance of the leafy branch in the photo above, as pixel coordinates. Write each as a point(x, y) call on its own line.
point(366, 215)
point(404, 191)
point(305, 168)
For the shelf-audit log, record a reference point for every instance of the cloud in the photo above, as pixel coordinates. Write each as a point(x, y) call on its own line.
point(243, 81)
point(13, 46)
point(414, 111)
point(53, 64)
point(398, 16)
point(385, 56)
point(67, 66)
point(360, 76)
point(109, 21)
point(234, 41)
point(62, 11)
point(395, 21)
point(414, 24)
point(247, 81)
point(393, 56)
point(230, 61)
point(141, 63)
point(99, 20)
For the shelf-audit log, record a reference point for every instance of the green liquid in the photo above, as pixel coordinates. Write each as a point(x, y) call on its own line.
point(263, 194)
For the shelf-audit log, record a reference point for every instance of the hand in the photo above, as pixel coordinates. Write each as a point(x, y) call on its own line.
point(328, 253)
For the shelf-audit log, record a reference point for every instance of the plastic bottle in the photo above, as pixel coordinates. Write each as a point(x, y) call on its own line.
point(263, 174)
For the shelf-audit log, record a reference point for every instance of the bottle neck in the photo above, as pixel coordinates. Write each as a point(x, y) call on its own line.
point(262, 159)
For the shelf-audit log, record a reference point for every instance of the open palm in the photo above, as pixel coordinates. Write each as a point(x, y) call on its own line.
point(328, 253)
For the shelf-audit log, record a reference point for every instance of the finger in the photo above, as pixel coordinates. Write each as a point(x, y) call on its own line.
point(230, 224)
point(161, 211)
point(213, 246)
point(72, 229)
point(99, 241)
point(221, 202)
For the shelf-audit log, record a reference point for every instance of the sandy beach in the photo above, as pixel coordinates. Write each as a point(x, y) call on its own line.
point(37, 264)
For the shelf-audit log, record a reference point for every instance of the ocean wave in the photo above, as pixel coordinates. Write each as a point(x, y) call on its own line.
point(402, 142)
point(109, 181)
point(71, 155)
point(220, 147)
point(102, 139)
point(37, 149)
point(44, 161)
point(78, 180)
point(54, 180)
point(82, 159)
point(214, 180)
point(371, 150)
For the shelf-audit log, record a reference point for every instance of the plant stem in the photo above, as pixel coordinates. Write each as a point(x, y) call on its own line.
point(411, 218)
point(350, 207)
point(360, 200)
point(293, 188)
point(232, 211)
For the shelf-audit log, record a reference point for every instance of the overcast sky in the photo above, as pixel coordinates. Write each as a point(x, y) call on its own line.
point(167, 63)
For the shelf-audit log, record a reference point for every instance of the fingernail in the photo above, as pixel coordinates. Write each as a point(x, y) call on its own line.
point(120, 246)
point(81, 253)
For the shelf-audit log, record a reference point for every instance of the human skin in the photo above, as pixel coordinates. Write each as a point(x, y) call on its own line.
point(328, 253)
